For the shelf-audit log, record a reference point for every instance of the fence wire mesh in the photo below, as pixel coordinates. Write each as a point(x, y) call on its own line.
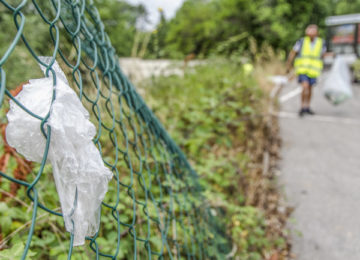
point(154, 207)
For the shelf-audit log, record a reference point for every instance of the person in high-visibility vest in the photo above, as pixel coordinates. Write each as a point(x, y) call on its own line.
point(307, 53)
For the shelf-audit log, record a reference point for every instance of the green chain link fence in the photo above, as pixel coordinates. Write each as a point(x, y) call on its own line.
point(170, 217)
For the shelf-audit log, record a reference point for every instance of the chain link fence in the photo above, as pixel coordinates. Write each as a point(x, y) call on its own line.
point(154, 205)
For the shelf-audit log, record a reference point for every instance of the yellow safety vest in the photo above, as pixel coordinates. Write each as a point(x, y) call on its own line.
point(309, 61)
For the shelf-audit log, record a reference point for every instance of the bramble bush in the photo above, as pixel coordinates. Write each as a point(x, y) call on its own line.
point(216, 113)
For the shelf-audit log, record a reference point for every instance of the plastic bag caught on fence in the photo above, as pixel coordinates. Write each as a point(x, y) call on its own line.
point(80, 175)
point(337, 86)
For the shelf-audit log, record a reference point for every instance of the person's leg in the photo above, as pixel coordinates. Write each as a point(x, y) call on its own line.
point(308, 91)
point(305, 96)
point(308, 110)
point(312, 82)
point(310, 95)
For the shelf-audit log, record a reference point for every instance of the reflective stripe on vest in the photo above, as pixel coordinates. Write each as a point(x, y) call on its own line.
point(309, 61)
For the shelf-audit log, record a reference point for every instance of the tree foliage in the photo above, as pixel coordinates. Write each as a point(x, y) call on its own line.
point(201, 25)
point(120, 19)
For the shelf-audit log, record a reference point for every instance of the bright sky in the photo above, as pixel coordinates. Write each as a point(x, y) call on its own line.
point(169, 6)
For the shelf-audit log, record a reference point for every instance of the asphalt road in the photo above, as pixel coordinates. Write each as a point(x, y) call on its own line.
point(320, 173)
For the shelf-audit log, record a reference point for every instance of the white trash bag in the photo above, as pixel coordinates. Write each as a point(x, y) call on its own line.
point(337, 86)
point(279, 80)
point(80, 175)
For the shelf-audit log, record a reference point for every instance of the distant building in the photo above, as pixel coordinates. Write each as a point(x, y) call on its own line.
point(343, 36)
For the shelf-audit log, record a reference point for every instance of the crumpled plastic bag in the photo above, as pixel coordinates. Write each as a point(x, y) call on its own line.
point(337, 86)
point(80, 175)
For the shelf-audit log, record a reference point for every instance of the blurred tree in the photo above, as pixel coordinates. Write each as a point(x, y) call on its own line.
point(201, 26)
point(194, 29)
point(121, 19)
point(290, 18)
point(346, 6)
point(157, 45)
point(20, 59)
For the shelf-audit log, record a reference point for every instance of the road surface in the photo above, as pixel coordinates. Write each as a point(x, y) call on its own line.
point(320, 173)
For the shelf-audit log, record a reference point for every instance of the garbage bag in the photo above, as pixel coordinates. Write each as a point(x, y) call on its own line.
point(337, 86)
point(80, 175)
point(279, 80)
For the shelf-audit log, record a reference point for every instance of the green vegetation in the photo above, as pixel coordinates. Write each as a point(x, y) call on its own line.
point(120, 20)
point(216, 114)
point(356, 71)
point(202, 26)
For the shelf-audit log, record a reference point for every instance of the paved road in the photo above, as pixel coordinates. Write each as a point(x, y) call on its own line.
point(320, 171)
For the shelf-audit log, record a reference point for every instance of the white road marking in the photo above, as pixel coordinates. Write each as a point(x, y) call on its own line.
point(320, 118)
point(290, 95)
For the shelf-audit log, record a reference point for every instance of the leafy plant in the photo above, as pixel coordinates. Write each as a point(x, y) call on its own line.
point(215, 112)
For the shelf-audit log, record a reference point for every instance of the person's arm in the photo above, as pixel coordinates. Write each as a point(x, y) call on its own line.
point(325, 53)
point(290, 60)
point(292, 55)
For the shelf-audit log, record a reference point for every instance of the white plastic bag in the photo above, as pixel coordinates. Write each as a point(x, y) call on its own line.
point(279, 80)
point(337, 86)
point(80, 175)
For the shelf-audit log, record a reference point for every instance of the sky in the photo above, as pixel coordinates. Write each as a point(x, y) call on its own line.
point(169, 6)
